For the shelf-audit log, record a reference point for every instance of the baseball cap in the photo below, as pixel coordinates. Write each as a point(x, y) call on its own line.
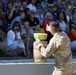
point(50, 5)
point(38, 6)
point(32, 11)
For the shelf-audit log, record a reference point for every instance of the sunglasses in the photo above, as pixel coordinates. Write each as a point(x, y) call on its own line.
point(64, 4)
point(17, 25)
point(32, 13)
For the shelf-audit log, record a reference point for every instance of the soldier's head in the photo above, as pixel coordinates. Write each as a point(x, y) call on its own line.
point(53, 27)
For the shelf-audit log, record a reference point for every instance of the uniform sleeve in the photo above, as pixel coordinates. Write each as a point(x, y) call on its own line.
point(49, 50)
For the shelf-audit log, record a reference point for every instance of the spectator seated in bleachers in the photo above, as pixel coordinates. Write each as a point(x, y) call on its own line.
point(40, 14)
point(53, 9)
point(33, 21)
point(31, 6)
point(13, 11)
point(44, 5)
point(27, 37)
point(3, 45)
point(46, 21)
point(24, 4)
point(20, 19)
point(14, 40)
point(62, 20)
point(72, 33)
point(3, 21)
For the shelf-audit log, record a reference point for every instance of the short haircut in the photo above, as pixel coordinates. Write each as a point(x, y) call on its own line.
point(54, 25)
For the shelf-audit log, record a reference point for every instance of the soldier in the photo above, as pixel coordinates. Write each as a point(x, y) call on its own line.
point(59, 47)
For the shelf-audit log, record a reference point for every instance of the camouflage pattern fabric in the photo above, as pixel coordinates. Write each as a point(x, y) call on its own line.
point(59, 47)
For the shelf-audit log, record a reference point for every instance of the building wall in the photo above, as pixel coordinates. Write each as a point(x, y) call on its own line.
point(26, 69)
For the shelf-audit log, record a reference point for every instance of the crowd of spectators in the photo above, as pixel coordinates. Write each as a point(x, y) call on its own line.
point(20, 19)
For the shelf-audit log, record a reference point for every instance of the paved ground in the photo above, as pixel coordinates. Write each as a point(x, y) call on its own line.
point(29, 68)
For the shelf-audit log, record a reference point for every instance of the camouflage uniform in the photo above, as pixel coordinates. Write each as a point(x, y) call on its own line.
point(59, 47)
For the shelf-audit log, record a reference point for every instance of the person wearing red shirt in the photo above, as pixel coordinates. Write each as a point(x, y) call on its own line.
point(46, 21)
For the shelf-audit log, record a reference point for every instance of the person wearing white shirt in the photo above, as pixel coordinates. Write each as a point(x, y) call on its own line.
point(31, 6)
point(62, 20)
point(13, 38)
